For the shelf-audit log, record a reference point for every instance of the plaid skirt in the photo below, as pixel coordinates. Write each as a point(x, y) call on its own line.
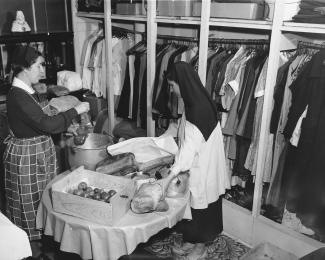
point(30, 164)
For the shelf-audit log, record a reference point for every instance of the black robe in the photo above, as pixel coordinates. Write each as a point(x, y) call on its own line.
point(206, 224)
point(305, 164)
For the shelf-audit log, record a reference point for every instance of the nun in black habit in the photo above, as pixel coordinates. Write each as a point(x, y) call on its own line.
point(201, 152)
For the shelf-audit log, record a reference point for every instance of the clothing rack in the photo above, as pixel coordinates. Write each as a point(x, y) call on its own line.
point(120, 29)
point(311, 45)
point(177, 38)
point(213, 42)
point(181, 40)
point(239, 41)
point(305, 46)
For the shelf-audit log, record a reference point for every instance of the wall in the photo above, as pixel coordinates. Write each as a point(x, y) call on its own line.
point(41, 15)
point(8, 13)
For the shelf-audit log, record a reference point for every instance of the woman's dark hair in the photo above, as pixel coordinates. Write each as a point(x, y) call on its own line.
point(23, 57)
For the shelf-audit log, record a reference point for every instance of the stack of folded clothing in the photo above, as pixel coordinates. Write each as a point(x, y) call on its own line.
point(311, 11)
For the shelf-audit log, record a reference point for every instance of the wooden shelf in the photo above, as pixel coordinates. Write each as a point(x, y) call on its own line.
point(91, 15)
point(35, 37)
point(178, 20)
point(141, 18)
point(241, 23)
point(303, 27)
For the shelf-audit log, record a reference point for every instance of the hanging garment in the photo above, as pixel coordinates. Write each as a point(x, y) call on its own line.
point(280, 117)
point(213, 71)
point(142, 86)
point(159, 57)
point(251, 159)
point(95, 65)
point(305, 163)
point(85, 58)
point(229, 83)
point(246, 114)
point(189, 54)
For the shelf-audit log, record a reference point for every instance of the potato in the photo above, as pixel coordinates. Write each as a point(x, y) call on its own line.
point(96, 196)
point(82, 185)
point(112, 192)
point(89, 189)
point(77, 192)
point(104, 195)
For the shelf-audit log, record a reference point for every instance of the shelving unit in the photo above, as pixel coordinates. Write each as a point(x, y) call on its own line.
point(35, 37)
point(178, 20)
point(57, 51)
point(248, 226)
point(139, 18)
point(90, 15)
point(241, 23)
point(303, 27)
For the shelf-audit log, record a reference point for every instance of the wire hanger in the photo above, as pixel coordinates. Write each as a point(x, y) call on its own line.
point(180, 40)
point(231, 43)
point(304, 47)
point(135, 48)
point(309, 48)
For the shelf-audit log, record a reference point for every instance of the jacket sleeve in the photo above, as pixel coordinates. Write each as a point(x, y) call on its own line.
point(186, 155)
point(33, 115)
point(300, 96)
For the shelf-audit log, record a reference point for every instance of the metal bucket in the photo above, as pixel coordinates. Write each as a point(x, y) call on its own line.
point(90, 153)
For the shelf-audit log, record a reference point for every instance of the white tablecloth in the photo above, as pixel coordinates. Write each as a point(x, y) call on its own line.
point(99, 242)
point(14, 243)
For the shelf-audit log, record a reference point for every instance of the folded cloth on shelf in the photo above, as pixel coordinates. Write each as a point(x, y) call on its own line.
point(311, 11)
point(69, 79)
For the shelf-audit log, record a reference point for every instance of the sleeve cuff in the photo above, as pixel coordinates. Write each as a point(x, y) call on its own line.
point(175, 170)
point(70, 114)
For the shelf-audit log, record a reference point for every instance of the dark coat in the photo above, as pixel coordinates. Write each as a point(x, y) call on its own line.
point(305, 164)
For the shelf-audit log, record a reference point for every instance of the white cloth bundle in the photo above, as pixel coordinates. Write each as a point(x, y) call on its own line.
point(69, 79)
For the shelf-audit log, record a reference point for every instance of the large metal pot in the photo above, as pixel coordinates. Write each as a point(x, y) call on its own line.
point(90, 153)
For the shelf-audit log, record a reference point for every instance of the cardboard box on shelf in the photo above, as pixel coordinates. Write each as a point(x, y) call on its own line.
point(251, 11)
point(176, 8)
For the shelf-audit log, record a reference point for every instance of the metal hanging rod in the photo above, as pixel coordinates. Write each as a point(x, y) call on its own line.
point(116, 29)
point(310, 45)
point(177, 38)
point(239, 41)
point(121, 29)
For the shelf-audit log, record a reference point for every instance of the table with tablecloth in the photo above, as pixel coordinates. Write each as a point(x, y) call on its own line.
point(100, 242)
point(14, 242)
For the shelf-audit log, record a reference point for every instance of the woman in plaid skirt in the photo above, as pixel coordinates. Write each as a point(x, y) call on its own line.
point(30, 159)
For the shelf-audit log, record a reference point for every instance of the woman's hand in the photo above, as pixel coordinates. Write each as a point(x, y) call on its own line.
point(73, 129)
point(82, 107)
point(166, 181)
